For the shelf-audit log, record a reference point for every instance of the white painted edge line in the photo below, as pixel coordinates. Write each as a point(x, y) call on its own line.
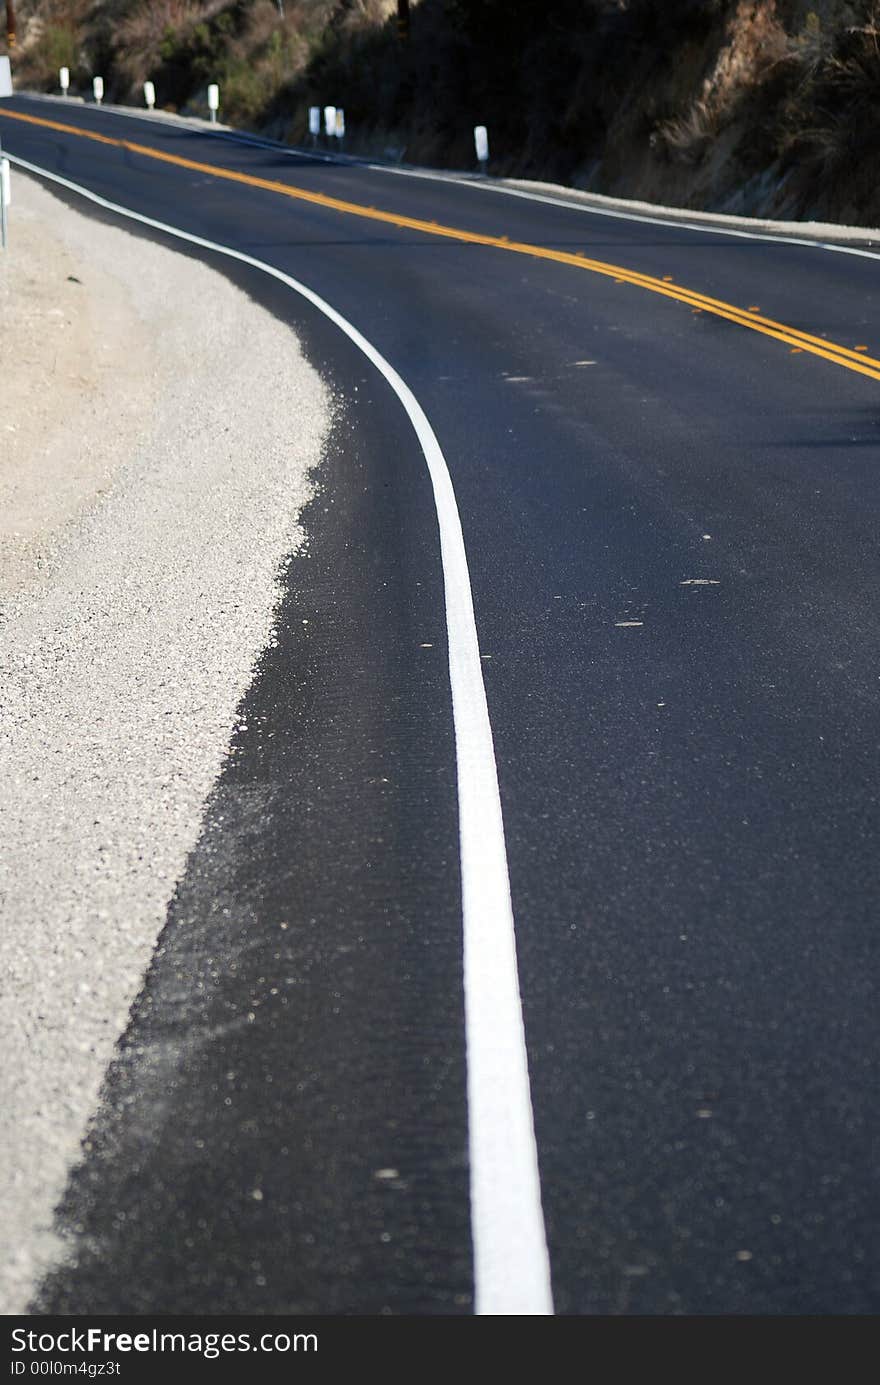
point(511, 1262)
point(568, 199)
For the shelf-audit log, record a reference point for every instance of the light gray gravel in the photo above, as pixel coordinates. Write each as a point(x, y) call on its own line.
point(121, 673)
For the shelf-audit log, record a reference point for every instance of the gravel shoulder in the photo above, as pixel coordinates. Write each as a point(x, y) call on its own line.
point(79, 383)
point(150, 487)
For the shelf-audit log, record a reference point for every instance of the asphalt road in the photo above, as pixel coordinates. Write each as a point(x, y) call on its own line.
point(671, 527)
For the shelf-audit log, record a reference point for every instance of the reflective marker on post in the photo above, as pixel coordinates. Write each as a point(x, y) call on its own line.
point(64, 79)
point(213, 101)
point(98, 89)
point(340, 123)
point(481, 143)
point(329, 120)
point(149, 95)
point(314, 120)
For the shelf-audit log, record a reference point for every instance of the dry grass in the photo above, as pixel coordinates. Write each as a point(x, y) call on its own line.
point(830, 131)
point(140, 36)
point(50, 36)
point(754, 43)
point(688, 136)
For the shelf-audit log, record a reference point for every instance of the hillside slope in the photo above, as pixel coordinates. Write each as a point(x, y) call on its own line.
point(765, 107)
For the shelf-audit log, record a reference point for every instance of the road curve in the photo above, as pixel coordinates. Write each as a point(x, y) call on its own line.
point(662, 442)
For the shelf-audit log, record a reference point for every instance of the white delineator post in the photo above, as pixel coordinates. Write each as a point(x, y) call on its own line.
point(98, 89)
point(64, 79)
point(213, 101)
point(314, 122)
point(5, 199)
point(340, 124)
point(481, 144)
point(329, 121)
point(149, 95)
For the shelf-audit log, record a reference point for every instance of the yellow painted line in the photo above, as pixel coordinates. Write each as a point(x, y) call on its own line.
point(749, 317)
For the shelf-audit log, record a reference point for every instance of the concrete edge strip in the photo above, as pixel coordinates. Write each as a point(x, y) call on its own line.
point(511, 1261)
point(713, 223)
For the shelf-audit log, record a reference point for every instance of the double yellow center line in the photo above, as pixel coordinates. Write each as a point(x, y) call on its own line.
point(849, 358)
